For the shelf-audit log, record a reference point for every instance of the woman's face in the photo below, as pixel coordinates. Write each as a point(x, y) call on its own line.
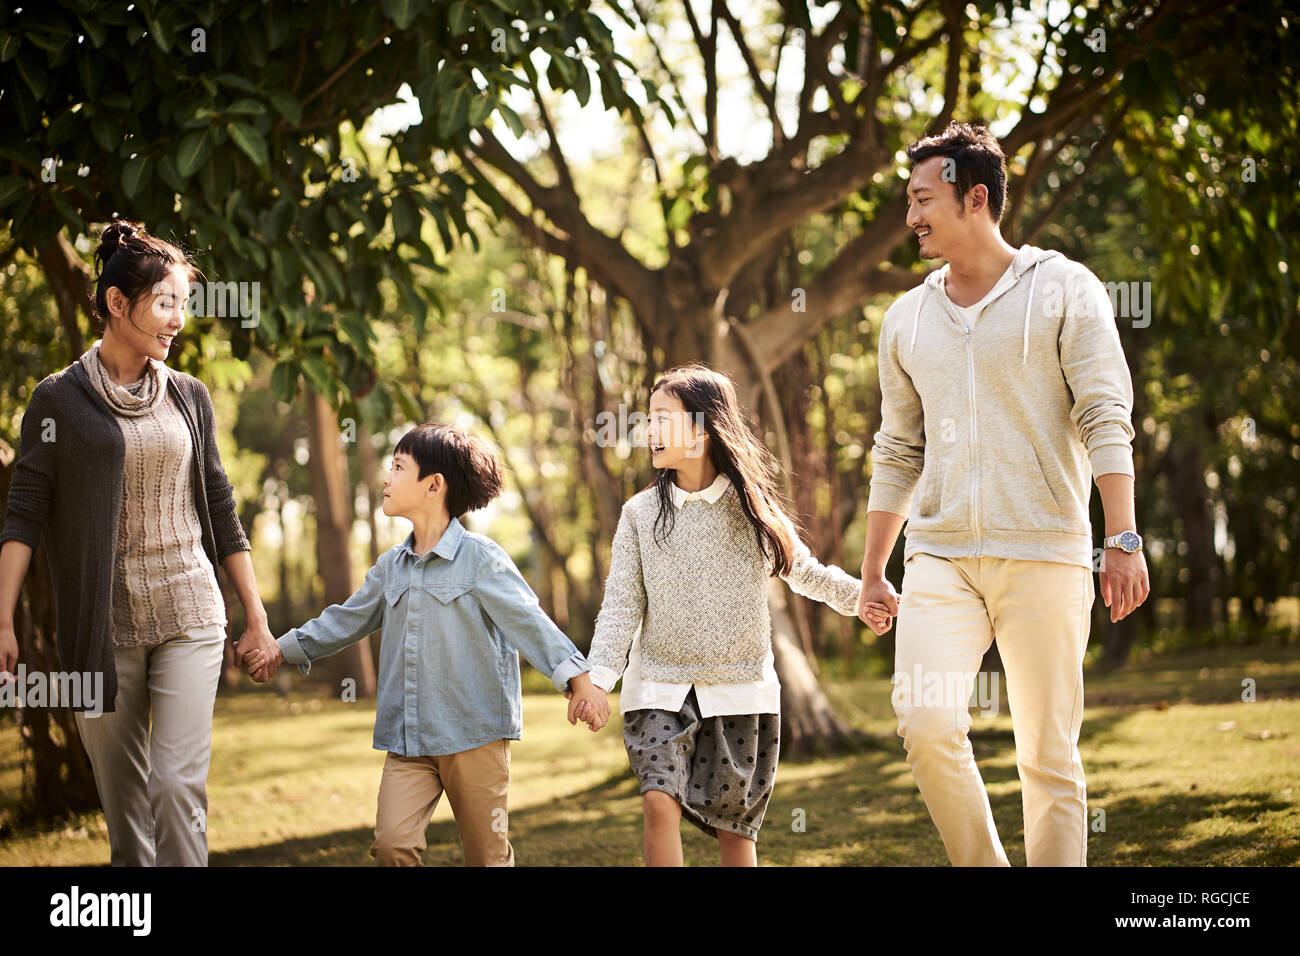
point(674, 435)
point(151, 324)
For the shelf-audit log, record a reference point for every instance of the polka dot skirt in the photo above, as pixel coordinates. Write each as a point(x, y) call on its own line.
point(720, 769)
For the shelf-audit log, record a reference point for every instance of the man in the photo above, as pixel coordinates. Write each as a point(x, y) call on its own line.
point(1004, 388)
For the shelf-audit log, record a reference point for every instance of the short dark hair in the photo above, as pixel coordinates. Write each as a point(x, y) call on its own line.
point(978, 158)
point(469, 464)
point(134, 261)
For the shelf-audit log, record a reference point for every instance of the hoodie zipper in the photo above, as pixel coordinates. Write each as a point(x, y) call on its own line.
point(974, 442)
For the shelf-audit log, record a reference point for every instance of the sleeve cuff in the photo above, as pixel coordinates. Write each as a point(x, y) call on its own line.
point(293, 652)
point(570, 668)
point(18, 528)
point(885, 496)
point(1112, 460)
point(605, 678)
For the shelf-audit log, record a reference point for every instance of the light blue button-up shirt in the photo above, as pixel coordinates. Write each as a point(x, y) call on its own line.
point(454, 622)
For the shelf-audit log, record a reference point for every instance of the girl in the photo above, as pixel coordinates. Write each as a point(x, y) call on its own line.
point(119, 472)
point(685, 622)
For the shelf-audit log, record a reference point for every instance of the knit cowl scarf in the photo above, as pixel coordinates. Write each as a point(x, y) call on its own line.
point(139, 398)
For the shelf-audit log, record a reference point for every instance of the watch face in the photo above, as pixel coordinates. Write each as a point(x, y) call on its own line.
point(1129, 541)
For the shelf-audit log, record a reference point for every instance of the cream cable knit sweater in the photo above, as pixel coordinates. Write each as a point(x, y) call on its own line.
point(163, 584)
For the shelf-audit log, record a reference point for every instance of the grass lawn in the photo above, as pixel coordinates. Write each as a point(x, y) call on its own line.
point(1185, 772)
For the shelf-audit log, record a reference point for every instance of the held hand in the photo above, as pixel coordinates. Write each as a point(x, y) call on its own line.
point(257, 637)
point(590, 705)
point(1125, 583)
point(261, 667)
point(878, 604)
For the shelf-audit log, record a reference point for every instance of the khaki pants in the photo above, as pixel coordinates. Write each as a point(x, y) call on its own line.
point(1039, 612)
point(476, 782)
point(152, 781)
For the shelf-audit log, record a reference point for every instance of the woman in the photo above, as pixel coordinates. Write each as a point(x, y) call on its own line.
point(119, 471)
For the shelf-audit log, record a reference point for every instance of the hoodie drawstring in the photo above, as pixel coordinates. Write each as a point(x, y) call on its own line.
point(1024, 354)
point(916, 320)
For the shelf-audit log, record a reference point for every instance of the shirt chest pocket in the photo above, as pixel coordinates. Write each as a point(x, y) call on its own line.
point(448, 593)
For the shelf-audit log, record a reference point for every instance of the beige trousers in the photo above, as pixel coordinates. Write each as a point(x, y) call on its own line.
point(152, 780)
point(1039, 612)
point(477, 783)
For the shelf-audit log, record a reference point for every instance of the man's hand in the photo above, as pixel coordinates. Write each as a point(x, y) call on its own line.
point(1125, 583)
point(257, 637)
point(878, 604)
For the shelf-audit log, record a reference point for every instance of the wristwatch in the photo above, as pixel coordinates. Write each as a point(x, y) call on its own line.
point(1128, 541)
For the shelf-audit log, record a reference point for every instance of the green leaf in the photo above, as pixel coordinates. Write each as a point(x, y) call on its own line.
point(135, 173)
point(10, 187)
point(287, 105)
point(318, 375)
point(460, 18)
point(246, 106)
point(251, 142)
point(401, 12)
point(192, 151)
point(95, 29)
point(284, 381)
point(170, 175)
point(512, 119)
point(9, 45)
point(32, 70)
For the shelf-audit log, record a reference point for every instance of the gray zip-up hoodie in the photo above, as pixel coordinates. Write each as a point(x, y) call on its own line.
point(1002, 424)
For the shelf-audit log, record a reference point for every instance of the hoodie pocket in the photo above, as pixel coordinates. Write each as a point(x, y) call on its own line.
point(931, 489)
point(943, 496)
point(1016, 491)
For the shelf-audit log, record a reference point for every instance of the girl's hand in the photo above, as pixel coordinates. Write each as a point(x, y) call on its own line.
point(878, 618)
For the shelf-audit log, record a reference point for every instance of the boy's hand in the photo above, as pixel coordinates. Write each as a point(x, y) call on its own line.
point(587, 703)
point(260, 666)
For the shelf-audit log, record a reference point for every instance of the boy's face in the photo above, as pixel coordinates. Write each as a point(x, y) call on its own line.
point(405, 492)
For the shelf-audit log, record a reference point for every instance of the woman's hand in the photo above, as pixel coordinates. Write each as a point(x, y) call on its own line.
point(257, 640)
point(8, 649)
point(261, 666)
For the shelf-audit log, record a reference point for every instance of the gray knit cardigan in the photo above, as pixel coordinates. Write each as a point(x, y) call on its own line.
point(69, 489)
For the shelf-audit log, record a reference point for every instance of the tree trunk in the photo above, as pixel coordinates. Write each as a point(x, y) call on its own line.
point(331, 492)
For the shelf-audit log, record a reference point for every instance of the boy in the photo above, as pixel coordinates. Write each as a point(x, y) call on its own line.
point(455, 610)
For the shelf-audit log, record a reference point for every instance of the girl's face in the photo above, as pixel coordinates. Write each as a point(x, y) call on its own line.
point(404, 491)
point(674, 435)
point(151, 324)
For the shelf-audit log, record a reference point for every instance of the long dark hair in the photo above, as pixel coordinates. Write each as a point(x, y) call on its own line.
point(709, 397)
point(134, 261)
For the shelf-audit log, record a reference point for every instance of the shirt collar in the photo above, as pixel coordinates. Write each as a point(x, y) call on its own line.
point(447, 545)
point(710, 494)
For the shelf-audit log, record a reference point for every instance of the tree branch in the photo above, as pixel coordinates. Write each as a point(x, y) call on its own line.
point(845, 283)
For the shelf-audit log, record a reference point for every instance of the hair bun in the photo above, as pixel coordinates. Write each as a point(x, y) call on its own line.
point(114, 235)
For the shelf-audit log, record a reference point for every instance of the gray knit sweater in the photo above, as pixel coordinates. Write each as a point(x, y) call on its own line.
point(700, 596)
point(67, 487)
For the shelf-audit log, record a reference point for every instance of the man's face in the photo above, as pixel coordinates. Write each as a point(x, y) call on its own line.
point(933, 213)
